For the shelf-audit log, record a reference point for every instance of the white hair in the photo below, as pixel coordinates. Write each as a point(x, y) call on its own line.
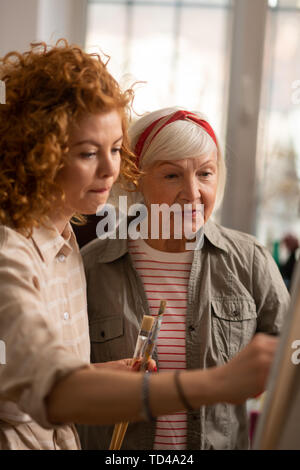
point(176, 141)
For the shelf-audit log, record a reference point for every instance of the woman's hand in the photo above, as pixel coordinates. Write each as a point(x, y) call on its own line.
point(126, 365)
point(246, 374)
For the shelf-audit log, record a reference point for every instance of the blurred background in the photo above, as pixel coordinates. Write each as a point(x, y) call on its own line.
point(238, 61)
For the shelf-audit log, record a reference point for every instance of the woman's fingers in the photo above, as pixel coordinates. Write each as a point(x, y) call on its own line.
point(122, 364)
point(247, 373)
point(151, 365)
point(127, 365)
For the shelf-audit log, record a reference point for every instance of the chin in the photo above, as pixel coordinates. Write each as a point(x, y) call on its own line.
point(89, 210)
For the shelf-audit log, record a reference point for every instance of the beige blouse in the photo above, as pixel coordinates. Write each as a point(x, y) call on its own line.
point(44, 327)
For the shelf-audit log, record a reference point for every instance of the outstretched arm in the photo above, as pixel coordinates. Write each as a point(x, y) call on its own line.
point(102, 396)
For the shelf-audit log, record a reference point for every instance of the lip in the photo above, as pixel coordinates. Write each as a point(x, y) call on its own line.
point(193, 213)
point(99, 190)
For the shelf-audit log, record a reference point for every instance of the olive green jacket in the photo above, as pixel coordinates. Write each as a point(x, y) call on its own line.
point(235, 290)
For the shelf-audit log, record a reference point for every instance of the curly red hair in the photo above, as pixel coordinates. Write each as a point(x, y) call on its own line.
point(47, 88)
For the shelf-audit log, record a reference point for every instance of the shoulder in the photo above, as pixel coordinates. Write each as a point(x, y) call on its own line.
point(19, 260)
point(235, 237)
point(241, 249)
point(231, 240)
point(247, 262)
point(14, 245)
point(245, 243)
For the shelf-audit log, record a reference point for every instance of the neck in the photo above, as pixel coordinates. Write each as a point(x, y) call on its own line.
point(60, 219)
point(171, 244)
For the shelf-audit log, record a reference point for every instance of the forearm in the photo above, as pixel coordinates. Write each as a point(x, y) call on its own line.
point(100, 396)
point(95, 396)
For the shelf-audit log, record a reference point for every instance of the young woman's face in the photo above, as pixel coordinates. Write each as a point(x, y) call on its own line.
point(93, 162)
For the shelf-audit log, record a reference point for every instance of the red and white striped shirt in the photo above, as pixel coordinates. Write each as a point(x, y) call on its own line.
point(165, 277)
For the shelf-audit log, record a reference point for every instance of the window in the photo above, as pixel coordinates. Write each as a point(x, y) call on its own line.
point(171, 46)
point(278, 157)
point(181, 50)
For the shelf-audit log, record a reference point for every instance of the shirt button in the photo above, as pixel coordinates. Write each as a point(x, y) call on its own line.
point(61, 258)
point(66, 316)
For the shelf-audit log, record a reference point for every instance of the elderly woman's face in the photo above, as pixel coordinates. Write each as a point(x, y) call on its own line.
point(188, 181)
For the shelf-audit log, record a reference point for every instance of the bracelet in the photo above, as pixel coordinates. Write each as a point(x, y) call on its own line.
point(146, 411)
point(180, 392)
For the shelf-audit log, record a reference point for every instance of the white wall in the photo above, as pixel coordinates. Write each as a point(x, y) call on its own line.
point(24, 21)
point(62, 18)
point(240, 201)
point(18, 24)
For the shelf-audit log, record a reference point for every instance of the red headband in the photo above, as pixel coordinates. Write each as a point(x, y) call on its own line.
point(177, 116)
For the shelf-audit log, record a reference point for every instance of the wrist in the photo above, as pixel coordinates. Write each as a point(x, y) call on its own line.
point(217, 384)
point(210, 388)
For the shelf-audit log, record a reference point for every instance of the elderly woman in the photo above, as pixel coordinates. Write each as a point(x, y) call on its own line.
point(63, 140)
point(218, 295)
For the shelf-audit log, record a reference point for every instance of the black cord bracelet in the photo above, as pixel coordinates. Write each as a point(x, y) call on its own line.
point(180, 392)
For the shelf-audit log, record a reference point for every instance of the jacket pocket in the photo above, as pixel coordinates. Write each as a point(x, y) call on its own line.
point(107, 339)
point(106, 329)
point(233, 324)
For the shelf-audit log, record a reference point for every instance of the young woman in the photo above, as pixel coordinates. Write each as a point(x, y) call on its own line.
point(218, 295)
point(63, 140)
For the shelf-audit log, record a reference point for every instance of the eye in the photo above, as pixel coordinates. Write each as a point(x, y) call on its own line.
point(116, 150)
point(171, 176)
point(88, 155)
point(205, 174)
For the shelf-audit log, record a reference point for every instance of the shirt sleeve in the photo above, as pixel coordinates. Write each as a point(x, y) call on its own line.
point(270, 293)
point(35, 357)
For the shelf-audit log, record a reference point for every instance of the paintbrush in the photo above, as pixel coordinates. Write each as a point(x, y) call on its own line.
point(145, 331)
point(153, 336)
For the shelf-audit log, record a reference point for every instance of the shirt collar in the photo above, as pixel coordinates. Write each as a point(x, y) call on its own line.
point(50, 243)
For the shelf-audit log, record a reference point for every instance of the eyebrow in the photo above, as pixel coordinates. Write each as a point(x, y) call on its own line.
point(180, 167)
point(93, 142)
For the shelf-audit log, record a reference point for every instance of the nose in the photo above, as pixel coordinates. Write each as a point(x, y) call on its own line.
point(191, 190)
point(108, 165)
